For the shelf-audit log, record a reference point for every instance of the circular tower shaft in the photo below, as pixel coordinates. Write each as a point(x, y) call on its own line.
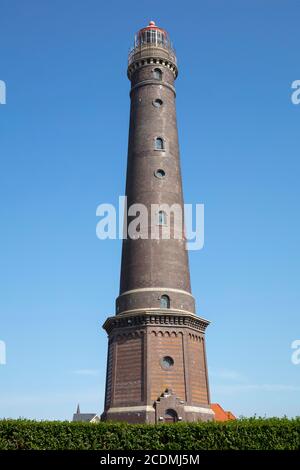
point(156, 364)
point(151, 265)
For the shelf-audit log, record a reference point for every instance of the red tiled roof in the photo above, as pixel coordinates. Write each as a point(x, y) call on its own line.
point(220, 413)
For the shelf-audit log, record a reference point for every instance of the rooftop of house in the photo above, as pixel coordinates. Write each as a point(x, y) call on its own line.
point(221, 414)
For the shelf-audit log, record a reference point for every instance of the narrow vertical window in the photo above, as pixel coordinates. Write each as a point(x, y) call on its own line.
point(165, 301)
point(159, 143)
point(157, 74)
point(162, 218)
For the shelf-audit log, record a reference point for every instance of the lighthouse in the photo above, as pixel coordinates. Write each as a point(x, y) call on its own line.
point(156, 361)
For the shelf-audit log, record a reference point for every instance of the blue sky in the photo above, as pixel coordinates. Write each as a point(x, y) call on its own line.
point(63, 144)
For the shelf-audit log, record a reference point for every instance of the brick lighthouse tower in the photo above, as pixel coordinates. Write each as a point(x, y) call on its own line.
point(156, 364)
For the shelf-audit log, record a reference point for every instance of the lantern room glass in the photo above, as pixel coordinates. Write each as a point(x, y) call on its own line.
point(152, 36)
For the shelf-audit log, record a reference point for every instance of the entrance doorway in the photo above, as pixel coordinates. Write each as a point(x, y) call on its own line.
point(170, 416)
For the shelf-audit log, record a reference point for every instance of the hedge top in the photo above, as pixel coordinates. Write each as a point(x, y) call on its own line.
point(242, 434)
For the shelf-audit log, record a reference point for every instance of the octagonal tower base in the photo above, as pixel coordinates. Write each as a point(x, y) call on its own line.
point(156, 368)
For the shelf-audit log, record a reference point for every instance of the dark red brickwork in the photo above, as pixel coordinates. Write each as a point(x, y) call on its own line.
point(198, 374)
point(156, 366)
point(166, 343)
point(129, 355)
point(109, 374)
point(137, 376)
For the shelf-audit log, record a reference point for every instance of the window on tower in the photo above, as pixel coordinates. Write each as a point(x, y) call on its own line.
point(157, 74)
point(165, 301)
point(162, 218)
point(160, 173)
point(167, 362)
point(157, 103)
point(159, 143)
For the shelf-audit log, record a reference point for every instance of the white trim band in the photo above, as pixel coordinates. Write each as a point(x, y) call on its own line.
point(153, 289)
point(198, 409)
point(124, 409)
point(161, 311)
point(187, 409)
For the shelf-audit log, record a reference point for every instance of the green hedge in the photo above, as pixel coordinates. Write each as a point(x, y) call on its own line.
point(254, 433)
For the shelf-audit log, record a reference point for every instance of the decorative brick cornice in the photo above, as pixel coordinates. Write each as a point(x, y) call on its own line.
point(150, 318)
point(151, 60)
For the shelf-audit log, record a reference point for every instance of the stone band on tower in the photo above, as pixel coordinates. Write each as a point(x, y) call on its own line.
point(156, 365)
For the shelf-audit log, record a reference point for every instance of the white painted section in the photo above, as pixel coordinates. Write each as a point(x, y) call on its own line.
point(160, 289)
point(198, 409)
point(125, 409)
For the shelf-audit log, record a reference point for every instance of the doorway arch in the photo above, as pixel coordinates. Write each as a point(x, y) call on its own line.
point(170, 416)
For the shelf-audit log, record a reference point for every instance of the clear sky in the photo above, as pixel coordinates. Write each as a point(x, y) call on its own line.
point(63, 145)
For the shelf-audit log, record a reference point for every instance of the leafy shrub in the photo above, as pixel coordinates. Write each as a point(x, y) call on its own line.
point(243, 434)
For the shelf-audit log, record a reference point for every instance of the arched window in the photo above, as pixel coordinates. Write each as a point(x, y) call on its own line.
point(162, 218)
point(159, 143)
point(157, 74)
point(165, 301)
